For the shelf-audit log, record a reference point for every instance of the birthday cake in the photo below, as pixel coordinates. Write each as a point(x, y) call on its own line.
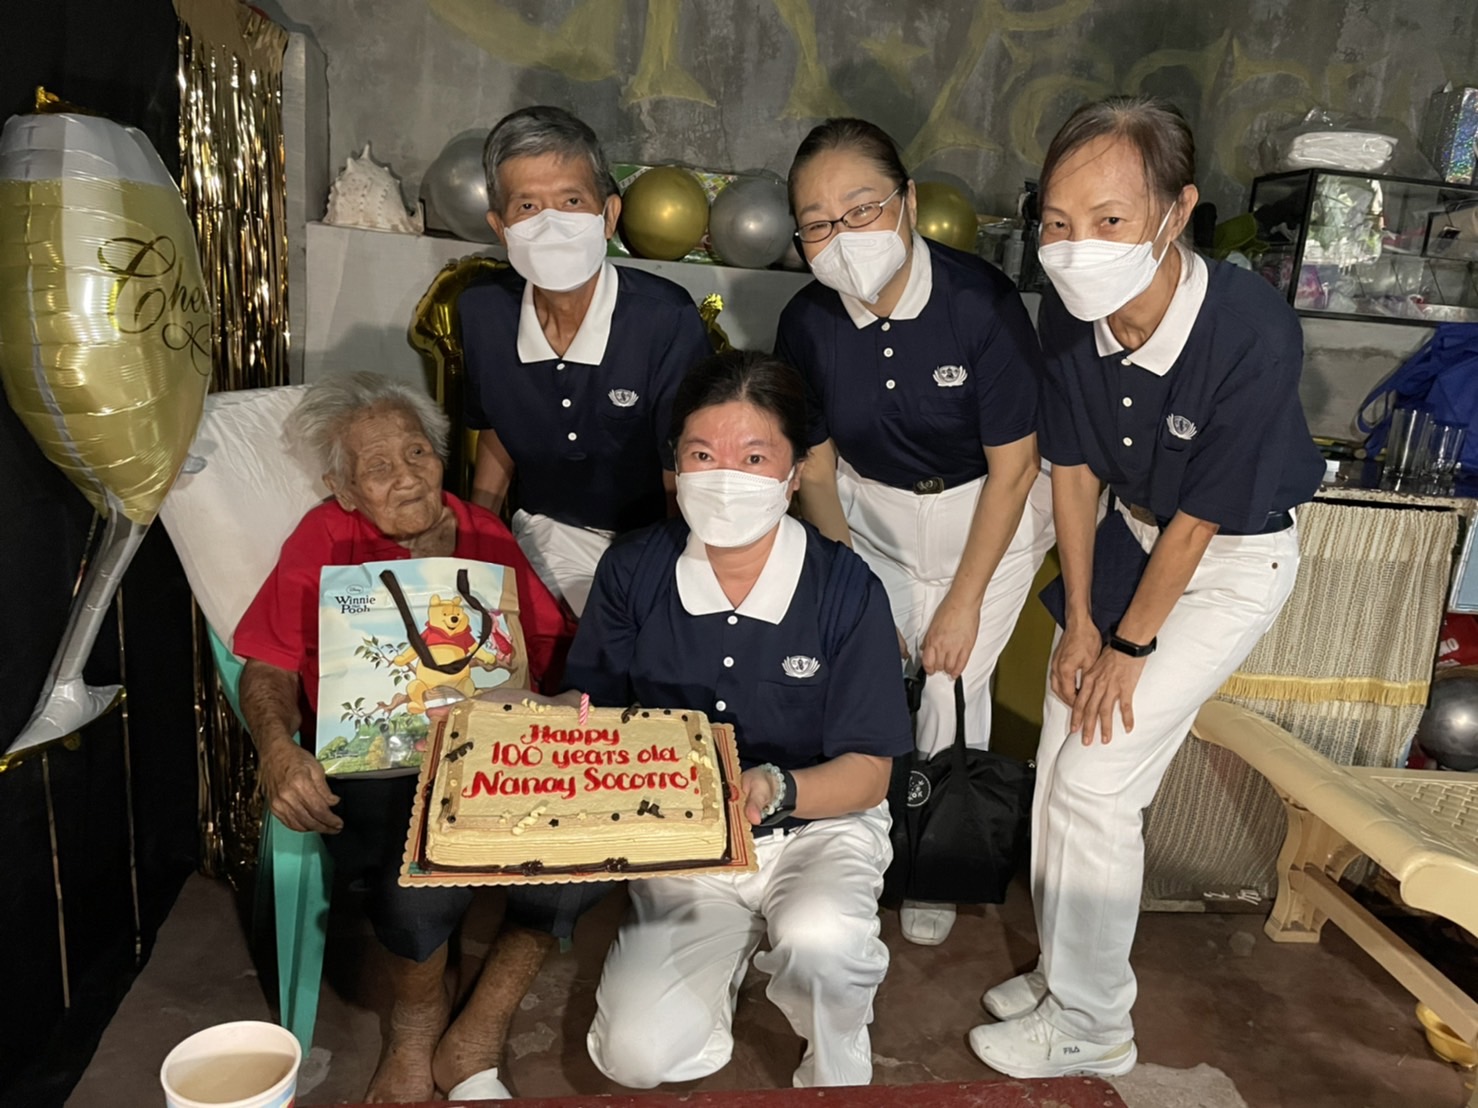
point(529, 789)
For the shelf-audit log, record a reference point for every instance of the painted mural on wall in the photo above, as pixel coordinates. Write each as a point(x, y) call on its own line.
point(972, 90)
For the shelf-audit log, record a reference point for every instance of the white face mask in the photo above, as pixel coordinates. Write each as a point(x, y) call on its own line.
point(557, 251)
point(1096, 278)
point(726, 508)
point(860, 263)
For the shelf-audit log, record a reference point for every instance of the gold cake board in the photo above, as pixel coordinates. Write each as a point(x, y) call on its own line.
point(417, 872)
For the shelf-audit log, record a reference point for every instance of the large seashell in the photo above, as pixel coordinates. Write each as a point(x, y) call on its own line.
point(366, 194)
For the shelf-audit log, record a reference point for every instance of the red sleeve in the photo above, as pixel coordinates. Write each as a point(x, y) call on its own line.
point(281, 625)
point(548, 626)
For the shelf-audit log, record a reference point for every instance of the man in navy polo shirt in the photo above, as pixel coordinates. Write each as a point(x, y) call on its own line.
point(571, 361)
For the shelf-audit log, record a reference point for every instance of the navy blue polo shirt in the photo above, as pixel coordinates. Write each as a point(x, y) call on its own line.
point(920, 394)
point(588, 432)
point(1213, 427)
point(805, 669)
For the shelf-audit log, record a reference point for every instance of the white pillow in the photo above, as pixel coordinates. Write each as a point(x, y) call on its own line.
point(242, 494)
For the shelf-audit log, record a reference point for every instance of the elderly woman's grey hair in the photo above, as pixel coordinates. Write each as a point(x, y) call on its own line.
point(541, 129)
point(316, 426)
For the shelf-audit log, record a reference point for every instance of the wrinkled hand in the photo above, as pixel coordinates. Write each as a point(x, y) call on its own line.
point(950, 639)
point(296, 789)
point(756, 791)
point(1110, 682)
point(1076, 652)
point(902, 644)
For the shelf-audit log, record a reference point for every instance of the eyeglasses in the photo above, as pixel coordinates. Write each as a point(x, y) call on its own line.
point(820, 230)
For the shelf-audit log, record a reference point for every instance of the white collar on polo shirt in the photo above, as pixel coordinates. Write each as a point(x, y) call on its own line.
point(916, 289)
point(1164, 346)
point(589, 346)
point(769, 600)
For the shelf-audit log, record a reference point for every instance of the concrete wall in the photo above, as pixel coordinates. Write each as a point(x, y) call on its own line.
point(973, 90)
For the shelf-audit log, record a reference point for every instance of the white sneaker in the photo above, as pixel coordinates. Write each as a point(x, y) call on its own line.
point(1032, 1047)
point(483, 1085)
point(926, 923)
point(1016, 998)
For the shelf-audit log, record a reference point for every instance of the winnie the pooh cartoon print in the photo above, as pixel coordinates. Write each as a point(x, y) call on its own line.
point(449, 638)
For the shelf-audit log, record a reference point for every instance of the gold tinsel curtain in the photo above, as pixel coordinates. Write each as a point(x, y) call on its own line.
point(235, 186)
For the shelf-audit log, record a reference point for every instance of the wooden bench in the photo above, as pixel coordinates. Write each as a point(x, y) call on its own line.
point(1421, 827)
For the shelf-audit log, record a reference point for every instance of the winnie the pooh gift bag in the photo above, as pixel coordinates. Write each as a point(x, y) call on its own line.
point(397, 637)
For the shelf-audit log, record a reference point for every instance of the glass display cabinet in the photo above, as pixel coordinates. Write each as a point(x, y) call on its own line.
point(1354, 246)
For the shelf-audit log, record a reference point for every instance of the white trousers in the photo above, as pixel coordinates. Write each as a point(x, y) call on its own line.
point(665, 1006)
point(914, 543)
point(1087, 814)
point(563, 555)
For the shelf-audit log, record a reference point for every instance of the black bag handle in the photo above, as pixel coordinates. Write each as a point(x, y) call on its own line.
point(957, 751)
point(464, 590)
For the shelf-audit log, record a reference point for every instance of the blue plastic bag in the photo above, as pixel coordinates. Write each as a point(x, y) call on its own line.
point(1440, 378)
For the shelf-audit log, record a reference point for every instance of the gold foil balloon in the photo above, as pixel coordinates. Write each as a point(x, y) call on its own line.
point(436, 331)
point(945, 215)
point(105, 349)
point(664, 213)
point(709, 311)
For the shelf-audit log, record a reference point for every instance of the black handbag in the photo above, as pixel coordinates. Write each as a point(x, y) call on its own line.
point(960, 820)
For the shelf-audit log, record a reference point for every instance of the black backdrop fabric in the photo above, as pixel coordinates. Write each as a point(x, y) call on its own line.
point(117, 57)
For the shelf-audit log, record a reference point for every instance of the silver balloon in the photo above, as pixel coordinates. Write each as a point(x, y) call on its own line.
point(792, 259)
point(455, 191)
point(749, 224)
point(1449, 729)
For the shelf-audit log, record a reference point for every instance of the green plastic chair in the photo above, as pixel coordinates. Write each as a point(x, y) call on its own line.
point(294, 880)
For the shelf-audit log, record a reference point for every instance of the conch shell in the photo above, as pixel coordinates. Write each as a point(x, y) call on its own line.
point(366, 194)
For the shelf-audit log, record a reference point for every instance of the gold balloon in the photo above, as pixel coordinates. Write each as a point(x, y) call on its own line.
point(105, 340)
point(664, 213)
point(709, 311)
point(945, 215)
point(105, 350)
point(436, 331)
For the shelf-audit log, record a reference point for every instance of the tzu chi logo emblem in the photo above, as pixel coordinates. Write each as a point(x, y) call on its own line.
point(1181, 427)
point(950, 376)
point(622, 398)
point(798, 665)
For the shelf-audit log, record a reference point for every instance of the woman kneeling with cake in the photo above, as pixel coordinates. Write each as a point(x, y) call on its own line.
point(751, 616)
point(381, 445)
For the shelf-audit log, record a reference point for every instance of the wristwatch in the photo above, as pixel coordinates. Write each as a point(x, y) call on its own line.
point(782, 803)
point(1133, 649)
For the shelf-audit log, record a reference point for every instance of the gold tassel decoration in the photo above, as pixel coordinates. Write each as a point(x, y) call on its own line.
point(234, 179)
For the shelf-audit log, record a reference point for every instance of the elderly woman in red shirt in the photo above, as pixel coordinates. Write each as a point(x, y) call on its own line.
point(381, 446)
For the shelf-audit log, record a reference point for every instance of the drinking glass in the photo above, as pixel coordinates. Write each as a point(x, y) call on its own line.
point(1406, 446)
point(1444, 449)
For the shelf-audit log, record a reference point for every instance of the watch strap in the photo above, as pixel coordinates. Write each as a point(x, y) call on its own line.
point(1133, 649)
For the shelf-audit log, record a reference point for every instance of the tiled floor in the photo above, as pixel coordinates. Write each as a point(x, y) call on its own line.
point(1288, 1025)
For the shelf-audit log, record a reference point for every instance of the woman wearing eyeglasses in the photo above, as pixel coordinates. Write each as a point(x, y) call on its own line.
point(923, 370)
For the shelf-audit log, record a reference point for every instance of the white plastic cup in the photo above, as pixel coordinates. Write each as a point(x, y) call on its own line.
point(247, 1064)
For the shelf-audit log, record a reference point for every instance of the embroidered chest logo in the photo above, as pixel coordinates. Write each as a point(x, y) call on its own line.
point(623, 398)
point(950, 376)
point(798, 665)
point(1181, 427)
